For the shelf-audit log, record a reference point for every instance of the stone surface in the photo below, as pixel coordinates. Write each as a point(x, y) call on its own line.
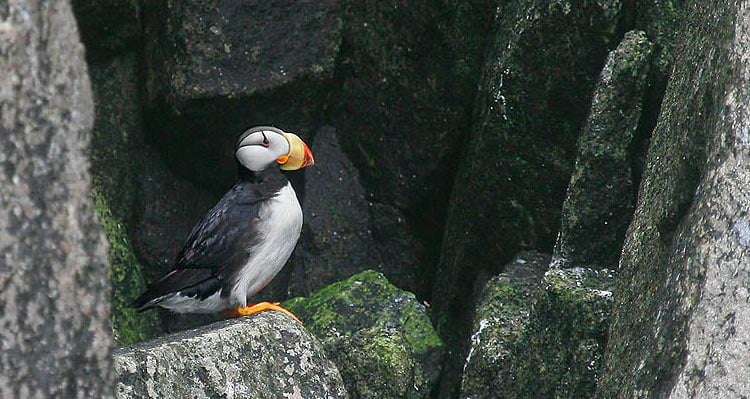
point(408, 73)
point(202, 49)
point(339, 240)
point(54, 291)
point(681, 318)
point(520, 149)
point(268, 355)
point(502, 316)
point(336, 216)
point(379, 336)
point(217, 68)
point(117, 136)
point(600, 197)
point(537, 334)
point(108, 27)
point(402, 248)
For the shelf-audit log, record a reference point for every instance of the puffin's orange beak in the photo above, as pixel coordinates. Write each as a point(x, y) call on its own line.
point(299, 155)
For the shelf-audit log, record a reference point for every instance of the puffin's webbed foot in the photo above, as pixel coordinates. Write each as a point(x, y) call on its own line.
point(257, 308)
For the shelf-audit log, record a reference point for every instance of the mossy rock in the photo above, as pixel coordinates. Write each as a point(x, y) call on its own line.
point(128, 326)
point(379, 336)
point(662, 269)
point(599, 200)
point(537, 334)
point(560, 353)
point(500, 319)
point(116, 133)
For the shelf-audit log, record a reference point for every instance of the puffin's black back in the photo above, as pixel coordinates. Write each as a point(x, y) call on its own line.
point(221, 242)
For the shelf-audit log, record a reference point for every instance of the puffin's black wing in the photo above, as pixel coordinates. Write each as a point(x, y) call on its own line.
point(217, 245)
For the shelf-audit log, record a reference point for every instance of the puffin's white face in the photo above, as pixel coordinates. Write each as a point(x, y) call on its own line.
point(264, 146)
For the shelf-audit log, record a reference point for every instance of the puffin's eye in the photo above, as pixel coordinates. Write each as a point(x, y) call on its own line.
point(265, 142)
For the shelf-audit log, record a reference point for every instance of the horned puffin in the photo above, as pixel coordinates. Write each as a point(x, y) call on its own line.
point(241, 243)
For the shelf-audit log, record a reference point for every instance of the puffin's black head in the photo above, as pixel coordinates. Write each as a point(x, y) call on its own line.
point(264, 146)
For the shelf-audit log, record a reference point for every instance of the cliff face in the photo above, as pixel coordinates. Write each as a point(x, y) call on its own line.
point(55, 335)
point(679, 327)
point(562, 184)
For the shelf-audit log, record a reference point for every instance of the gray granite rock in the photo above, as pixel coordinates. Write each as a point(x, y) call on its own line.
point(54, 334)
point(681, 323)
point(268, 355)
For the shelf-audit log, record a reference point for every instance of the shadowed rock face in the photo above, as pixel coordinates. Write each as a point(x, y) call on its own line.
point(600, 197)
point(54, 333)
point(227, 49)
point(680, 320)
point(343, 231)
point(406, 89)
point(268, 355)
point(108, 27)
point(531, 103)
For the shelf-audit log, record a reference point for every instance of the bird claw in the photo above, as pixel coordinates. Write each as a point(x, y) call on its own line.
point(258, 307)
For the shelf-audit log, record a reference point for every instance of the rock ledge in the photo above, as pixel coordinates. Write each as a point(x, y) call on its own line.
point(268, 355)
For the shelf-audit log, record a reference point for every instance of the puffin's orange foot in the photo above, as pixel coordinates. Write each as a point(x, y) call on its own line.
point(259, 307)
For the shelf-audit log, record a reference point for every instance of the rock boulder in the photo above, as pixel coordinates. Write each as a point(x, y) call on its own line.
point(539, 333)
point(379, 336)
point(680, 325)
point(268, 355)
point(600, 198)
point(54, 335)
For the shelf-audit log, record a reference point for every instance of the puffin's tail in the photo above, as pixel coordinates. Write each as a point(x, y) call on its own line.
point(146, 301)
point(190, 282)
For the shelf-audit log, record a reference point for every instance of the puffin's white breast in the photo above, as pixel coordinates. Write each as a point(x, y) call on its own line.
point(279, 224)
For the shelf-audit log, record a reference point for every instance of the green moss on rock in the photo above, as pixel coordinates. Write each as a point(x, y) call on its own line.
point(128, 326)
point(656, 291)
point(537, 334)
point(116, 131)
point(500, 319)
point(560, 353)
point(599, 200)
point(379, 336)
